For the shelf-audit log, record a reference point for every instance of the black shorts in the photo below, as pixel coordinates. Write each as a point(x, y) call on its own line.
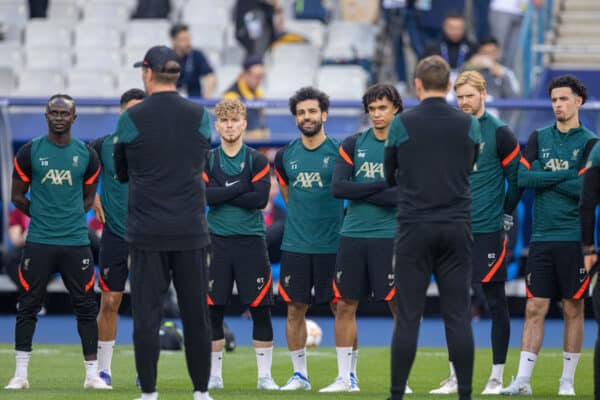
point(243, 260)
point(363, 269)
point(555, 270)
point(301, 272)
point(489, 257)
point(75, 264)
point(114, 269)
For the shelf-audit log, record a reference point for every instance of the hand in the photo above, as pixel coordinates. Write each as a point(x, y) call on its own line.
point(97, 207)
point(508, 222)
point(589, 261)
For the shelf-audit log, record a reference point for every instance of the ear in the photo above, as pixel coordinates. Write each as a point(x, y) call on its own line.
point(578, 101)
point(324, 116)
point(244, 124)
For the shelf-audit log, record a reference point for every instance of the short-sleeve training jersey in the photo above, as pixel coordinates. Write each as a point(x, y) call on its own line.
point(498, 162)
point(314, 216)
point(113, 194)
point(363, 219)
point(227, 219)
point(56, 175)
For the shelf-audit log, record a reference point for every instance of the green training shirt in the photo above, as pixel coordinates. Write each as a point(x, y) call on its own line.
point(113, 194)
point(364, 219)
point(232, 217)
point(56, 176)
point(553, 165)
point(314, 216)
point(498, 162)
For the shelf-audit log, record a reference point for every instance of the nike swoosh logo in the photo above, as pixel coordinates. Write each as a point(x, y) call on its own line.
point(85, 267)
point(227, 184)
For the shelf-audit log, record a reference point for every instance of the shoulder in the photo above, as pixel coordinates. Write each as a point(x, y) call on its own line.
point(495, 122)
point(588, 133)
point(594, 158)
point(543, 131)
point(332, 142)
point(350, 141)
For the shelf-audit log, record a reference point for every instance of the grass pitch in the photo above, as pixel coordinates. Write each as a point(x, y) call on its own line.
point(56, 372)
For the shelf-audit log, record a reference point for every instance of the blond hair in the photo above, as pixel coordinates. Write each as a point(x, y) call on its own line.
point(472, 78)
point(228, 108)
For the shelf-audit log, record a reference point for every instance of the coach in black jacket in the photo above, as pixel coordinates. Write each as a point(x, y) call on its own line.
point(430, 152)
point(160, 150)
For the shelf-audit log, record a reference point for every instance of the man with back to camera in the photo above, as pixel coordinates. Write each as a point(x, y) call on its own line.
point(160, 150)
point(553, 164)
point(237, 188)
point(110, 207)
point(590, 197)
point(197, 77)
point(430, 152)
point(364, 259)
point(61, 175)
point(304, 170)
point(491, 215)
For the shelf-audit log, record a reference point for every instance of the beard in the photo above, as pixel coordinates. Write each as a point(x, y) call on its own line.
point(310, 132)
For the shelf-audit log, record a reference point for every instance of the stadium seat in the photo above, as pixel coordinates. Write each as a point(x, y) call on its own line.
point(105, 12)
point(41, 83)
point(131, 55)
point(342, 82)
point(43, 33)
point(208, 37)
point(311, 29)
point(147, 33)
point(226, 76)
point(14, 12)
point(12, 55)
point(214, 58)
point(283, 80)
point(207, 12)
point(48, 58)
point(350, 41)
point(91, 84)
point(97, 35)
point(292, 55)
point(67, 11)
point(8, 81)
point(98, 59)
point(128, 80)
point(129, 4)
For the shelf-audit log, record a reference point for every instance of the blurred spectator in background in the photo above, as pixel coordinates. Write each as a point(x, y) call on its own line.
point(453, 45)
point(274, 215)
point(38, 8)
point(255, 25)
point(425, 19)
point(197, 78)
point(394, 12)
point(506, 18)
point(152, 9)
point(18, 223)
point(501, 81)
point(247, 87)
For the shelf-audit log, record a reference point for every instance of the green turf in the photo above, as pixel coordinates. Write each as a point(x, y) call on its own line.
point(56, 372)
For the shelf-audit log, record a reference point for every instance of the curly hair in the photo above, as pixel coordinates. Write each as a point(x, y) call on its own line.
point(569, 81)
point(309, 93)
point(229, 108)
point(381, 91)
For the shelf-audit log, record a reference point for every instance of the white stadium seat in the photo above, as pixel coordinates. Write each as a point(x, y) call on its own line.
point(42, 33)
point(342, 82)
point(97, 35)
point(147, 33)
point(98, 59)
point(43, 83)
point(91, 84)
